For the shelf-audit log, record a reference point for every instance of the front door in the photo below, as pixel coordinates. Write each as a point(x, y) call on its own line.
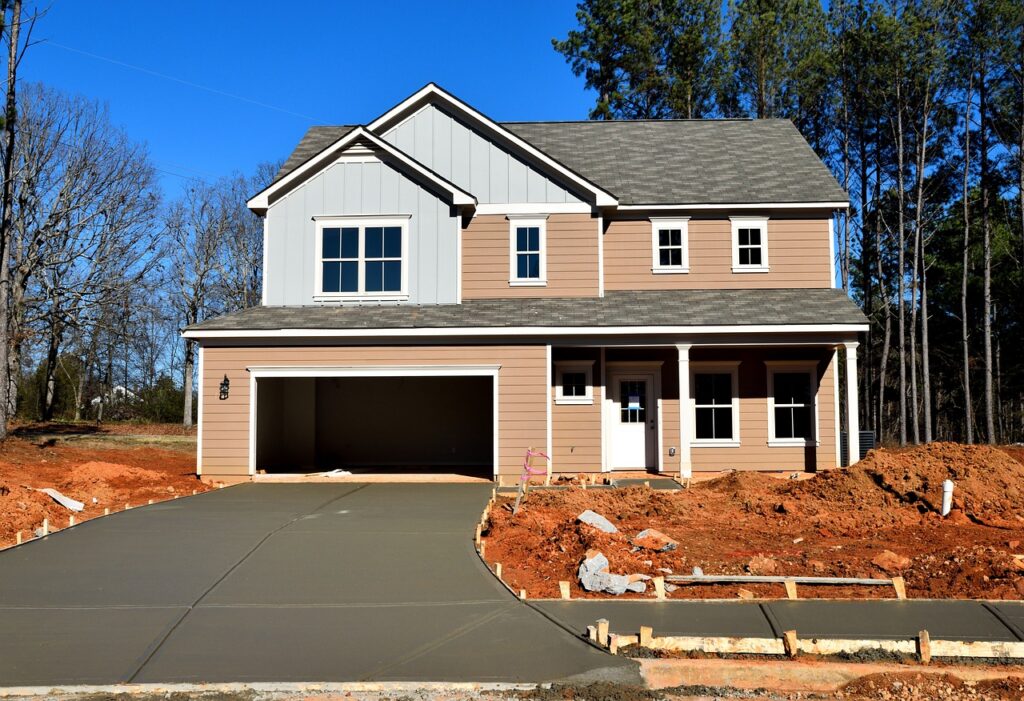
point(634, 424)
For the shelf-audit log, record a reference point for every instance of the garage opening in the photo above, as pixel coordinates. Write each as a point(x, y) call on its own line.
point(375, 425)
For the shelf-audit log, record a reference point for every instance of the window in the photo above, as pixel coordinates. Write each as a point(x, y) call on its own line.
point(528, 258)
point(361, 258)
point(670, 243)
point(574, 382)
point(749, 244)
point(715, 405)
point(792, 407)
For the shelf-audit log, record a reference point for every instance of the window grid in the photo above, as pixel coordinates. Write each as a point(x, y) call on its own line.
point(792, 405)
point(362, 259)
point(750, 246)
point(670, 248)
point(713, 406)
point(574, 384)
point(528, 253)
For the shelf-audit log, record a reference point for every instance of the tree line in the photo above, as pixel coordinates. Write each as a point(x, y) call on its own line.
point(916, 106)
point(98, 271)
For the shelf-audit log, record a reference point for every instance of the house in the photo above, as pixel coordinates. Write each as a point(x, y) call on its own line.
point(443, 292)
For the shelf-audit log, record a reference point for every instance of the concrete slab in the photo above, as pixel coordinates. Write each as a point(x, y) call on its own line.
point(78, 646)
point(1011, 613)
point(944, 620)
point(698, 618)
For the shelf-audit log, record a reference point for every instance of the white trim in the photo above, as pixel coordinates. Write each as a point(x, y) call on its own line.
point(547, 408)
point(458, 260)
point(266, 371)
point(602, 197)
point(534, 208)
point(541, 223)
point(732, 205)
point(833, 278)
point(685, 454)
point(641, 367)
point(702, 367)
point(361, 223)
point(584, 366)
point(659, 223)
point(738, 223)
point(600, 255)
point(808, 367)
point(852, 400)
point(835, 396)
point(506, 331)
point(263, 278)
point(199, 417)
point(261, 201)
point(357, 158)
point(604, 411)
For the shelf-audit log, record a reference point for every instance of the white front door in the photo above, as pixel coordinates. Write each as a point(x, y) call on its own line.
point(634, 421)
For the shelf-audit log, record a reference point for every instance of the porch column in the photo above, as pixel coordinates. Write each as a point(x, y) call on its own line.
point(852, 408)
point(685, 464)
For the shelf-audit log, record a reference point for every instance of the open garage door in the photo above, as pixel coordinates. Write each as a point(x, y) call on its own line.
point(375, 424)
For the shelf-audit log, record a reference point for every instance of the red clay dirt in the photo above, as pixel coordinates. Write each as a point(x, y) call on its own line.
point(99, 476)
point(837, 523)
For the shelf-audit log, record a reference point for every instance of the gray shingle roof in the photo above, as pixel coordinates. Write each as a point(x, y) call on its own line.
point(639, 308)
point(666, 161)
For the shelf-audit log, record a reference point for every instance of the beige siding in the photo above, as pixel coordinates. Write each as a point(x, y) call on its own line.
point(521, 392)
point(572, 261)
point(798, 256)
point(576, 428)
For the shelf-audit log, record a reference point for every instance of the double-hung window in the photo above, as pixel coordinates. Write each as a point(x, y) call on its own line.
point(749, 244)
point(527, 251)
point(574, 382)
point(715, 406)
point(792, 408)
point(361, 258)
point(670, 243)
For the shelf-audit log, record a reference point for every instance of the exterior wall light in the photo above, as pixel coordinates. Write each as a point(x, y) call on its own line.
point(225, 386)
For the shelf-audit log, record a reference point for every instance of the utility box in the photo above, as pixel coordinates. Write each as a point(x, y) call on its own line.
point(867, 442)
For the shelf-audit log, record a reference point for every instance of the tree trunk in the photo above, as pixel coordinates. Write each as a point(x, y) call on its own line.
point(964, 327)
point(50, 377)
point(189, 360)
point(887, 331)
point(986, 229)
point(901, 272)
point(914, 411)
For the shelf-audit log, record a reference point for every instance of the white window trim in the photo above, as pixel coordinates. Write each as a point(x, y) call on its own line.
point(749, 223)
point(584, 366)
point(681, 223)
point(703, 368)
point(362, 222)
point(804, 366)
point(514, 222)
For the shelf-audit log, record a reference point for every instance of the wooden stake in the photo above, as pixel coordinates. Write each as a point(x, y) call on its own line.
point(659, 588)
point(613, 644)
point(497, 570)
point(745, 594)
point(46, 526)
point(647, 484)
point(106, 511)
point(127, 506)
point(602, 631)
point(71, 520)
point(150, 502)
point(17, 538)
point(924, 647)
point(592, 633)
point(483, 545)
point(563, 588)
point(522, 594)
point(789, 642)
point(479, 530)
point(791, 589)
point(646, 634)
point(900, 586)
point(193, 492)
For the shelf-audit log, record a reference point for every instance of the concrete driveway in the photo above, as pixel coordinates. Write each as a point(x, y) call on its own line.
point(282, 582)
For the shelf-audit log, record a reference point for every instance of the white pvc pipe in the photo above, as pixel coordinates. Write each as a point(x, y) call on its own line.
point(947, 497)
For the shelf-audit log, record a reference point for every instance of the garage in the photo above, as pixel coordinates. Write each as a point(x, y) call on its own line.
point(368, 422)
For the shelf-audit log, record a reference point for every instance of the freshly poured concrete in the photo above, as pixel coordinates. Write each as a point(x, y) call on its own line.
point(279, 582)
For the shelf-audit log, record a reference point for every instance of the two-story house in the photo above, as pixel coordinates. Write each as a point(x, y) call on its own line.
point(442, 292)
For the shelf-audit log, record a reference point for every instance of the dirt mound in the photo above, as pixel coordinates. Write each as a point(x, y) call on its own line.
point(919, 686)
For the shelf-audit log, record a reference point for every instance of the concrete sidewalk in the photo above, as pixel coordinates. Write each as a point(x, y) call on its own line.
point(281, 582)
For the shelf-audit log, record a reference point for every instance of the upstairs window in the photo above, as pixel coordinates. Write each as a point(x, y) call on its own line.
point(361, 258)
point(528, 257)
point(670, 243)
point(749, 245)
point(792, 406)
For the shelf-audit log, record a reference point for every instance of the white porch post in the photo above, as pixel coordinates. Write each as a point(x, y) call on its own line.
point(852, 408)
point(685, 463)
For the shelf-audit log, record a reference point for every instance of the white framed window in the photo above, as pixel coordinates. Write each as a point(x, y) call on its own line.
point(715, 404)
point(574, 382)
point(528, 264)
point(792, 403)
point(749, 244)
point(670, 243)
point(362, 258)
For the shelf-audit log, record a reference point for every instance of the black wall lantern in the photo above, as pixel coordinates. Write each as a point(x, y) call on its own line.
point(225, 385)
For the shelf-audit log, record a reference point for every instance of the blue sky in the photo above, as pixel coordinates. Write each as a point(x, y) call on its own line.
point(314, 62)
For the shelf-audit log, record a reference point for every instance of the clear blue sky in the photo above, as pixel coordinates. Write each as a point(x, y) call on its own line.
point(330, 62)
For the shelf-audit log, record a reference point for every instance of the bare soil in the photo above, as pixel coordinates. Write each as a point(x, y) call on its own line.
point(101, 476)
point(837, 523)
point(912, 686)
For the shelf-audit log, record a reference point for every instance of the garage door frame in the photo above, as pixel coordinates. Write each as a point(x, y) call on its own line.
point(261, 372)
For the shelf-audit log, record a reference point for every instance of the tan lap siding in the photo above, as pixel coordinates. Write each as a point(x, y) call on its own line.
point(576, 428)
point(571, 258)
point(798, 256)
point(754, 453)
point(522, 380)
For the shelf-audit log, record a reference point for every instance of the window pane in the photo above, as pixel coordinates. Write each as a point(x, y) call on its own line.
point(521, 239)
point(331, 243)
point(792, 388)
point(392, 242)
point(754, 237)
point(534, 238)
point(745, 256)
point(723, 388)
point(744, 237)
point(350, 242)
point(393, 276)
point(783, 423)
point(663, 237)
point(574, 384)
point(704, 424)
point(534, 260)
point(676, 237)
point(802, 427)
point(374, 276)
point(676, 256)
point(522, 266)
point(350, 277)
point(331, 277)
point(723, 423)
point(755, 256)
point(704, 388)
point(664, 257)
point(374, 242)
